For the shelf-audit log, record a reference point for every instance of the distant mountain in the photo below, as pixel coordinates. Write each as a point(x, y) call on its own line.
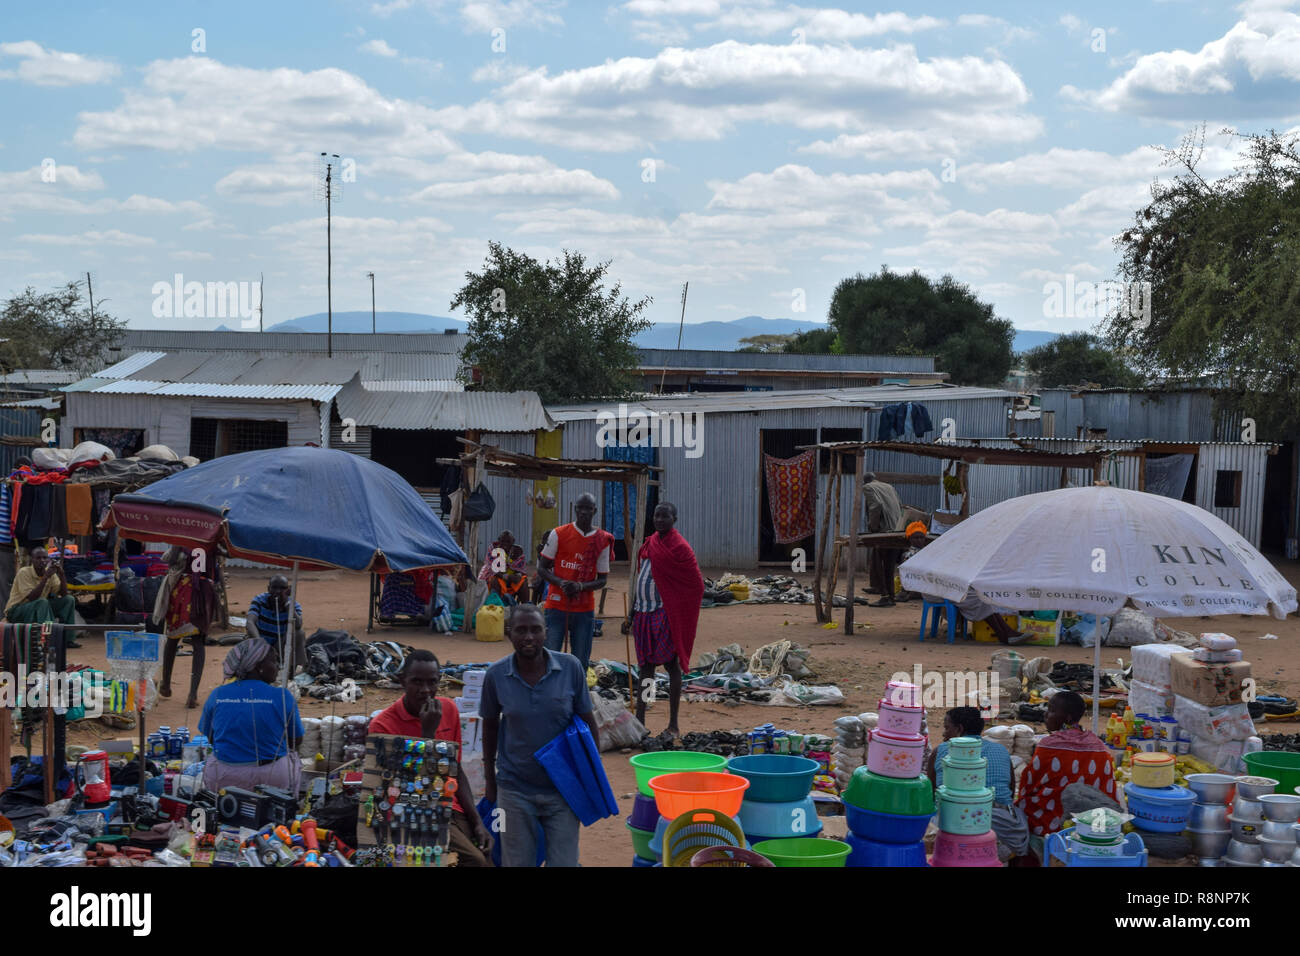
point(714, 336)
point(1024, 341)
point(360, 322)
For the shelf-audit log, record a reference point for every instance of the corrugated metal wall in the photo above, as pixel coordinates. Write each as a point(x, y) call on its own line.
point(1172, 416)
point(512, 513)
point(1252, 462)
point(19, 423)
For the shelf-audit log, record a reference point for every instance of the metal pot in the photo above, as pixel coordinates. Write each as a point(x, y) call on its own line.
point(1210, 844)
point(1208, 816)
point(1252, 788)
point(1280, 807)
point(1244, 831)
point(1244, 854)
point(1245, 809)
point(1276, 851)
point(1211, 787)
point(1278, 832)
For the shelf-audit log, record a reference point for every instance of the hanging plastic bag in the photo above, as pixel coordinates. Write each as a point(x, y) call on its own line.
point(479, 506)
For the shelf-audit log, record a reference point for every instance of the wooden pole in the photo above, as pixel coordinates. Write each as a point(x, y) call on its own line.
point(818, 560)
point(48, 723)
point(291, 635)
point(631, 688)
point(471, 587)
point(859, 463)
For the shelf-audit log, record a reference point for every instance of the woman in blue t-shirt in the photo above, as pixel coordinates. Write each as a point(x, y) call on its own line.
point(254, 726)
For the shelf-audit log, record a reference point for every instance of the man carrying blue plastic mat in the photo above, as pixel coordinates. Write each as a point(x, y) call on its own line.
point(528, 699)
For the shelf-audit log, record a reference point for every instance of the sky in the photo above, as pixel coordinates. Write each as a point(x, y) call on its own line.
point(761, 151)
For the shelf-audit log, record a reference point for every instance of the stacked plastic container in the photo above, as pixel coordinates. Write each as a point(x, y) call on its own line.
point(966, 835)
point(472, 693)
point(1156, 803)
point(778, 803)
point(889, 802)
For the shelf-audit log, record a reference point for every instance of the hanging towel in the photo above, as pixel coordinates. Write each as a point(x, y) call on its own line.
point(80, 509)
point(791, 494)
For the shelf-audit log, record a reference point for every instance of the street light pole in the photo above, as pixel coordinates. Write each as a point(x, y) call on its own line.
point(372, 301)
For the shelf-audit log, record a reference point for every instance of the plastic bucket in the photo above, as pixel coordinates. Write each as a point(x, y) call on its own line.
point(804, 851)
point(779, 821)
point(965, 812)
point(641, 842)
point(891, 755)
point(872, 791)
point(1162, 810)
point(647, 766)
point(1282, 765)
point(976, 849)
point(886, 827)
point(774, 778)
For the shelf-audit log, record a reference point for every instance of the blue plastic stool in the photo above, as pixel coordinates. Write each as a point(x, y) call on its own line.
point(932, 610)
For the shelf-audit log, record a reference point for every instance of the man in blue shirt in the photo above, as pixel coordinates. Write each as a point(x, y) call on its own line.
point(528, 699)
point(268, 618)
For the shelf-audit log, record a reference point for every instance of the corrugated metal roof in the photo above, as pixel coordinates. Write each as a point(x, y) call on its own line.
point(723, 402)
point(170, 340)
point(49, 402)
point(129, 366)
point(131, 386)
point(434, 385)
point(718, 359)
point(455, 411)
point(38, 376)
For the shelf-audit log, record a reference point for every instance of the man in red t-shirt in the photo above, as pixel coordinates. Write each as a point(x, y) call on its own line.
point(420, 712)
point(575, 563)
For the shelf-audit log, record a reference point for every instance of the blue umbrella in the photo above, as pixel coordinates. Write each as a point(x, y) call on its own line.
point(311, 507)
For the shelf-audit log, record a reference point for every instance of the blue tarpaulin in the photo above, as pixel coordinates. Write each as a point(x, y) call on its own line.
point(318, 506)
point(613, 519)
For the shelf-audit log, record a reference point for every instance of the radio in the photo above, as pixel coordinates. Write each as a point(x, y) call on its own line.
point(243, 808)
point(175, 808)
point(282, 806)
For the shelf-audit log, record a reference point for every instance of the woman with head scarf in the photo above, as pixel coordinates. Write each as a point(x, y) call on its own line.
point(253, 726)
point(184, 609)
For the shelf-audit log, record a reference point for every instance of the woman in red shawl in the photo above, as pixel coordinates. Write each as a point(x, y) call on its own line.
point(1067, 755)
point(665, 610)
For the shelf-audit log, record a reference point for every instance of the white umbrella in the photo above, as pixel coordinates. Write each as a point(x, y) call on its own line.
point(1096, 549)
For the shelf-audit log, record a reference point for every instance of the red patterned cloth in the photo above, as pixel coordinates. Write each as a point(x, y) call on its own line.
point(1071, 755)
point(653, 638)
point(792, 495)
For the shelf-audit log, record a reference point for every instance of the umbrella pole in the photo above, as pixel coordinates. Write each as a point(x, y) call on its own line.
point(291, 632)
point(1096, 685)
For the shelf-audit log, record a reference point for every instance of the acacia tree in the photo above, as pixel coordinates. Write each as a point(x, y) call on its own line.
point(889, 313)
point(1223, 262)
point(56, 330)
point(1078, 358)
point(552, 328)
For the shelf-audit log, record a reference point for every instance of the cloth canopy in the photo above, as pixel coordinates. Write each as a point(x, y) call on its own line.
point(319, 507)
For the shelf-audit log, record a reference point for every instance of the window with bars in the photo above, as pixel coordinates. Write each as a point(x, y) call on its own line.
point(217, 437)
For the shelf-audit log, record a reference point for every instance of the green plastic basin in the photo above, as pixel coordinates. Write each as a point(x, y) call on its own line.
point(650, 765)
point(1282, 765)
point(641, 842)
point(804, 851)
point(911, 796)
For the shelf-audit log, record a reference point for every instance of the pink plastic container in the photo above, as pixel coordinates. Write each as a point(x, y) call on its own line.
point(895, 719)
point(980, 849)
point(902, 694)
point(895, 755)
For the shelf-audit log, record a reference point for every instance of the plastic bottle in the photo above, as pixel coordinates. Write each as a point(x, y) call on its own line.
point(1129, 718)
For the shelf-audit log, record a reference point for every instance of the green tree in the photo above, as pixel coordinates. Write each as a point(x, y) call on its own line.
point(890, 313)
point(1078, 358)
point(1223, 262)
point(551, 328)
point(815, 342)
point(766, 342)
point(56, 330)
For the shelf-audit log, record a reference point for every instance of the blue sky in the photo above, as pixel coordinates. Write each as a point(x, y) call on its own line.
point(790, 145)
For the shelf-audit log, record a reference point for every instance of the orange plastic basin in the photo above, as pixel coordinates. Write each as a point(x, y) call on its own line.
point(677, 793)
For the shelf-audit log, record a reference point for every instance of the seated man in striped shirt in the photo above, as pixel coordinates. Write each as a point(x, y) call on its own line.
point(268, 618)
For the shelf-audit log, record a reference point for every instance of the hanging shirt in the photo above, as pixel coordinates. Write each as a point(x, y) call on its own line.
point(578, 557)
point(647, 599)
point(6, 498)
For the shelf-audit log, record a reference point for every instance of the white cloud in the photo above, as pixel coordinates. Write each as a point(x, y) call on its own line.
point(498, 70)
point(970, 244)
point(818, 24)
point(1252, 70)
point(484, 15)
point(199, 103)
point(45, 67)
point(65, 177)
point(276, 184)
point(956, 134)
point(568, 183)
point(1071, 22)
point(705, 93)
point(378, 48)
point(798, 187)
point(110, 237)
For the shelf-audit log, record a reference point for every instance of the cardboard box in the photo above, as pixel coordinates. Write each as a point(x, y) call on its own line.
point(983, 633)
point(1214, 685)
point(1041, 633)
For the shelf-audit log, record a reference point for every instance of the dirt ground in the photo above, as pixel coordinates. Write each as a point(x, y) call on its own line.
point(885, 642)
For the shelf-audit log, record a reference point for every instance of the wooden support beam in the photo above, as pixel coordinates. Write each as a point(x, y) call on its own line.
point(904, 478)
point(855, 520)
point(819, 558)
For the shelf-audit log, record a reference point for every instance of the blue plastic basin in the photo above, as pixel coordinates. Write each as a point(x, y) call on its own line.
point(872, 853)
point(775, 778)
point(1159, 809)
point(779, 821)
point(892, 828)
